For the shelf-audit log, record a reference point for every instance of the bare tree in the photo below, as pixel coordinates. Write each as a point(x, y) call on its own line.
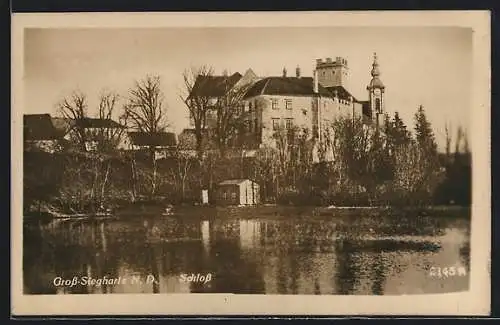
point(109, 137)
point(106, 136)
point(266, 171)
point(184, 164)
point(146, 113)
point(408, 174)
point(74, 109)
point(107, 104)
point(198, 103)
point(284, 143)
point(229, 112)
point(447, 139)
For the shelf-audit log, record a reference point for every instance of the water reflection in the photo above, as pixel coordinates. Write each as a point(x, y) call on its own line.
point(245, 255)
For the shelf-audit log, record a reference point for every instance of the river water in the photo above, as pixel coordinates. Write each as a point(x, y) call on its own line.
point(363, 255)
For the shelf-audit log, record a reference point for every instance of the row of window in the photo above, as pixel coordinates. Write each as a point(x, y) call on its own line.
point(324, 73)
point(225, 195)
point(277, 122)
point(274, 103)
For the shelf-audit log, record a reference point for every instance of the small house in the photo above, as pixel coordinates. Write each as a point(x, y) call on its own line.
point(162, 142)
point(95, 133)
point(100, 133)
point(238, 192)
point(40, 134)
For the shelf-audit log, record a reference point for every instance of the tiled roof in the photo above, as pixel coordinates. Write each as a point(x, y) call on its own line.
point(160, 139)
point(39, 127)
point(98, 123)
point(192, 132)
point(341, 92)
point(285, 86)
point(233, 181)
point(214, 86)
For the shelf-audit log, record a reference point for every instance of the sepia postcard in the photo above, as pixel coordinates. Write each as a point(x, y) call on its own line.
point(270, 163)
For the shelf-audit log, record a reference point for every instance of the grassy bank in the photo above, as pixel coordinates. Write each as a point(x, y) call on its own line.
point(282, 211)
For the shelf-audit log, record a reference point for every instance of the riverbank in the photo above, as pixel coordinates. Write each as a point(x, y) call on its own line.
point(263, 211)
point(282, 211)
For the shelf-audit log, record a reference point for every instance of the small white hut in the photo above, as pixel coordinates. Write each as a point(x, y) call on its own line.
point(238, 192)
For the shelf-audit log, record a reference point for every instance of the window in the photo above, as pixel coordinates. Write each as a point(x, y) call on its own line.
point(91, 145)
point(241, 108)
point(274, 103)
point(212, 101)
point(248, 126)
point(233, 195)
point(377, 104)
point(276, 124)
point(289, 123)
point(224, 195)
point(256, 125)
point(249, 106)
point(288, 103)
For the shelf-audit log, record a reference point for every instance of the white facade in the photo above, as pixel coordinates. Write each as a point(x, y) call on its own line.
point(314, 113)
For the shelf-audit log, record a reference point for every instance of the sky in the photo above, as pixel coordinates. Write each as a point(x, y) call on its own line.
point(429, 66)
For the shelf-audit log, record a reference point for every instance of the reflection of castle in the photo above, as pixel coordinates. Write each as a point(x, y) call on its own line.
point(246, 232)
point(250, 232)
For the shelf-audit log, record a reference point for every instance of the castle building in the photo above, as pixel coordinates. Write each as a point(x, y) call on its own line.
point(307, 103)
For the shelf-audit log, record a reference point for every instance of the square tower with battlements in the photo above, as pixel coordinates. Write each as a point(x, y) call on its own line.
point(333, 73)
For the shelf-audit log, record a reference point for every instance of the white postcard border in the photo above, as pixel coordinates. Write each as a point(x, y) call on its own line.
point(474, 302)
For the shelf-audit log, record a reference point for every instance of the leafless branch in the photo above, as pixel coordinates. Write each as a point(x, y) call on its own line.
point(145, 111)
point(108, 137)
point(198, 104)
point(74, 109)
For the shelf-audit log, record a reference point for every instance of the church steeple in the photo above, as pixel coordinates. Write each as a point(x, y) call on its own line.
point(376, 90)
point(375, 82)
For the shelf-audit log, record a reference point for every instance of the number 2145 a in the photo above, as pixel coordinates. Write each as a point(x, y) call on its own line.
point(444, 272)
